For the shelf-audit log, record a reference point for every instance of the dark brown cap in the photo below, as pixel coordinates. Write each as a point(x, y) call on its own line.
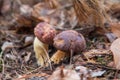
point(45, 32)
point(70, 40)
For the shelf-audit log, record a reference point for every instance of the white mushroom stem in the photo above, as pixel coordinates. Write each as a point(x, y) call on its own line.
point(41, 53)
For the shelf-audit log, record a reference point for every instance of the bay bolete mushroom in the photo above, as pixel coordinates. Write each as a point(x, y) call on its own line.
point(44, 33)
point(68, 41)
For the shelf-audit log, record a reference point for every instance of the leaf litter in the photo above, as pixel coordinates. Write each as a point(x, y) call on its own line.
point(17, 60)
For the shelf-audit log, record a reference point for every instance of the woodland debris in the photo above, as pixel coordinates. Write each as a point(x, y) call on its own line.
point(64, 74)
point(28, 40)
point(115, 28)
point(90, 12)
point(115, 48)
point(7, 45)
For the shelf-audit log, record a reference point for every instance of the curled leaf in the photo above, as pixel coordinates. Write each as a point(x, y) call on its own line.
point(7, 45)
point(115, 27)
point(115, 48)
point(64, 74)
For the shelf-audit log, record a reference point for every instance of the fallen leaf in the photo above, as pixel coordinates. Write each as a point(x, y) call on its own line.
point(27, 57)
point(6, 45)
point(6, 8)
point(25, 10)
point(115, 28)
point(115, 9)
point(93, 52)
point(97, 73)
point(64, 74)
point(29, 40)
point(111, 37)
point(10, 56)
point(83, 71)
point(115, 48)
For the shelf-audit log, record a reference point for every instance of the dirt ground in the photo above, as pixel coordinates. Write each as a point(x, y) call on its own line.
point(99, 61)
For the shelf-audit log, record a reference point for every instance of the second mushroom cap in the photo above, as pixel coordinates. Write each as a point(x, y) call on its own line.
point(70, 40)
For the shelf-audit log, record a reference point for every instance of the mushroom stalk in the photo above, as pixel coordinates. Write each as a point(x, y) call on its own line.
point(40, 53)
point(59, 56)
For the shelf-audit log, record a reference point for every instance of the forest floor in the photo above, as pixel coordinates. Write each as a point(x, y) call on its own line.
point(17, 56)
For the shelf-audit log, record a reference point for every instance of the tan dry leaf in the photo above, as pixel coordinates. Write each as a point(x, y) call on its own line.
point(7, 45)
point(115, 48)
point(27, 57)
point(111, 37)
point(115, 9)
point(90, 12)
point(52, 3)
point(6, 6)
point(64, 74)
point(93, 52)
point(115, 28)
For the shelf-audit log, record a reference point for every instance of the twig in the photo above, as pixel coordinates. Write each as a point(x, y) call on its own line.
point(71, 55)
point(48, 58)
point(19, 2)
point(31, 75)
point(3, 66)
point(34, 70)
point(101, 66)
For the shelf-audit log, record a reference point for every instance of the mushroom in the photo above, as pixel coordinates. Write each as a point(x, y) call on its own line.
point(68, 41)
point(44, 33)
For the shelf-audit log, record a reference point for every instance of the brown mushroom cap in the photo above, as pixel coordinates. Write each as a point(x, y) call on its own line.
point(45, 32)
point(70, 40)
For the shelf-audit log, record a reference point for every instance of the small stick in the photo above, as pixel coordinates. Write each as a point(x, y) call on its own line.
point(48, 58)
point(71, 54)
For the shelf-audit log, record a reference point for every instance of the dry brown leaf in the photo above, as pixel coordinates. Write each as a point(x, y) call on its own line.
point(6, 6)
point(64, 74)
point(83, 71)
point(115, 8)
point(53, 3)
point(115, 27)
point(27, 57)
point(110, 36)
point(25, 10)
point(94, 52)
point(10, 56)
point(115, 48)
point(7, 45)
point(29, 2)
point(90, 12)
